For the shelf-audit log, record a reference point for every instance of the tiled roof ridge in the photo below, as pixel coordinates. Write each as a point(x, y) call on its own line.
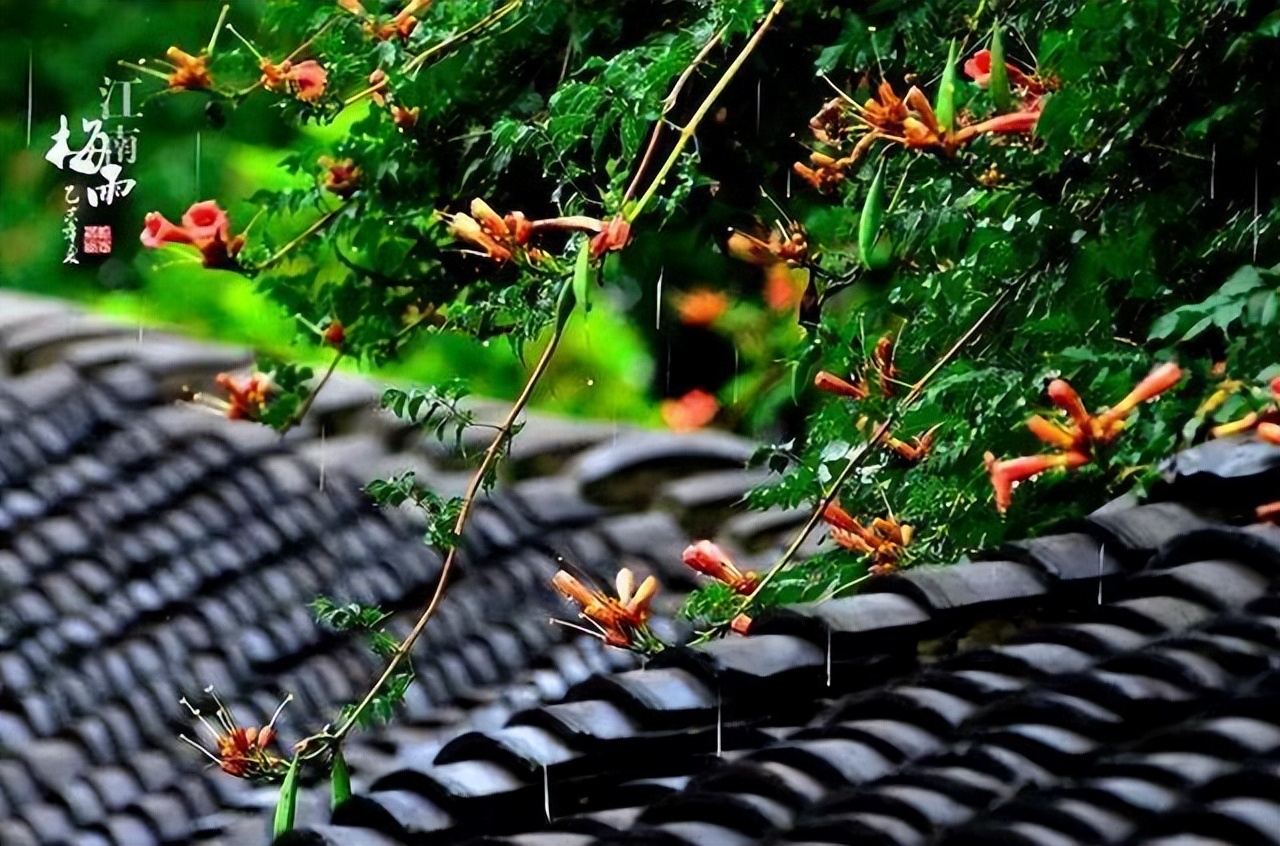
point(1146, 572)
point(1151, 598)
point(148, 544)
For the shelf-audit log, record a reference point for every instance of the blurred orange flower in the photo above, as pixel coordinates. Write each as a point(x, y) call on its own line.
point(691, 411)
point(701, 307)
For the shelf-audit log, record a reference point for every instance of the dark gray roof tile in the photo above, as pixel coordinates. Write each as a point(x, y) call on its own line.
point(634, 462)
point(51, 824)
point(833, 761)
point(659, 694)
point(1240, 470)
point(688, 834)
point(398, 814)
point(577, 723)
point(1218, 584)
point(1145, 529)
point(766, 656)
point(1262, 815)
point(895, 739)
point(871, 622)
point(513, 748)
point(334, 835)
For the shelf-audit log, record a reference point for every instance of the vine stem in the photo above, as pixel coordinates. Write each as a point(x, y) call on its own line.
point(301, 413)
point(468, 503)
point(667, 104)
point(687, 131)
point(876, 437)
point(485, 22)
point(298, 239)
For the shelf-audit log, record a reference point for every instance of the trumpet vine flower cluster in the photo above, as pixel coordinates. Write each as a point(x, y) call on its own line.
point(883, 542)
point(243, 752)
point(885, 373)
point(1077, 441)
point(620, 621)
point(247, 397)
point(1265, 423)
point(783, 250)
point(913, 122)
point(502, 238)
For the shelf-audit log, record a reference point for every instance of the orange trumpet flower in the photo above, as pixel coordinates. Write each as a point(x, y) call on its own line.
point(833, 384)
point(710, 560)
point(1008, 473)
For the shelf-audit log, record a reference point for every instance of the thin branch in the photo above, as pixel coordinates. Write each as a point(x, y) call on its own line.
point(299, 415)
point(298, 239)
point(304, 45)
point(667, 104)
point(468, 503)
point(485, 22)
point(876, 437)
point(687, 132)
point(572, 223)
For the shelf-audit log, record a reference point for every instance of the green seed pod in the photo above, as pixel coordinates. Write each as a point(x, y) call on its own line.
point(1001, 94)
point(339, 780)
point(945, 110)
point(287, 804)
point(869, 224)
point(582, 274)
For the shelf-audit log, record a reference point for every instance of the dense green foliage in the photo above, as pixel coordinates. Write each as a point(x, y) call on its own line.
point(1131, 226)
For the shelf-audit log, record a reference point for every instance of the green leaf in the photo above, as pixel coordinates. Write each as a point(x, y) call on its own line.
point(1270, 309)
point(998, 84)
point(1164, 326)
point(946, 105)
point(287, 804)
point(339, 781)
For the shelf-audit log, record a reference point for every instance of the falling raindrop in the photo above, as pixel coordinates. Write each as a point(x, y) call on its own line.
point(828, 656)
point(197, 163)
point(788, 183)
point(546, 792)
point(657, 308)
point(735, 376)
point(1102, 551)
point(1255, 213)
point(1213, 170)
point(590, 382)
point(719, 725)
